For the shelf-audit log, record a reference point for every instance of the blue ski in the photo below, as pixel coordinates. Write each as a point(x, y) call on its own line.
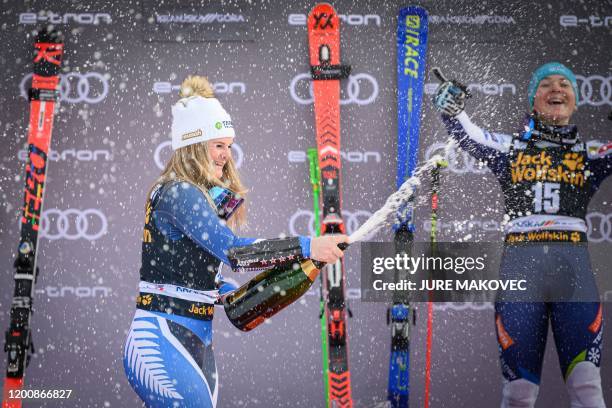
point(412, 31)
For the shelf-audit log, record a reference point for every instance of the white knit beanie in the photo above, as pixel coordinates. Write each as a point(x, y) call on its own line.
point(196, 119)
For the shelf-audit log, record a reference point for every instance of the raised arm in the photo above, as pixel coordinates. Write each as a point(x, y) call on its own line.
point(478, 142)
point(449, 99)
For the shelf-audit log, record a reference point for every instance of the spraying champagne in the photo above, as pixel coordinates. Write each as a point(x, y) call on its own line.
point(270, 291)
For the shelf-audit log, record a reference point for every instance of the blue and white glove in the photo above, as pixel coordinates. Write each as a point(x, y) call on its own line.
point(450, 95)
point(449, 99)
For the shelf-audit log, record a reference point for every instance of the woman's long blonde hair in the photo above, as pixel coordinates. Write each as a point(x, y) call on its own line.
point(191, 163)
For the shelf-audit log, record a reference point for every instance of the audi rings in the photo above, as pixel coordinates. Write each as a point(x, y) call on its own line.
point(594, 90)
point(73, 224)
point(160, 156)
point(302, 222)
point(74, 87)
point(599, 227)
point(353, 92)
point(459, 161)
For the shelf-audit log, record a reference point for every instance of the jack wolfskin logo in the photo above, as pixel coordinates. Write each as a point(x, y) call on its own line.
point(543, 167)
point(144, 300)
point(573, 161)
point(207, 311)
point(524, 159)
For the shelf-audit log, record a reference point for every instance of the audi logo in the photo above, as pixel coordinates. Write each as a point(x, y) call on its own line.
point(74, 87)
point(161, 156)
point(73, 224)
point(599, 227)
point(594, 90)
point(301, 89)
point(459, 161)
point(302, 222)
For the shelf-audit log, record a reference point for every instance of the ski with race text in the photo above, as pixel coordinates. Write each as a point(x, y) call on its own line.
point(412, 30)
point(43, 95)
point(326, 72)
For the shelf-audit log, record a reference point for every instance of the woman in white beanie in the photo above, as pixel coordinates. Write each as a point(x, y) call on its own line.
point(168, 353)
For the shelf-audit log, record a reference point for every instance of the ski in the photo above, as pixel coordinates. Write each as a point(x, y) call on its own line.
point(326, 72)
point(315, 182)
point(433, 239)
point(412, 29)
point(43, 95)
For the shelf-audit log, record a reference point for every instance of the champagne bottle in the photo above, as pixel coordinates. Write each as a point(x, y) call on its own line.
point(270, 292)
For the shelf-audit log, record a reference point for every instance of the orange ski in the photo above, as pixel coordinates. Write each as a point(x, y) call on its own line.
point(326, 71)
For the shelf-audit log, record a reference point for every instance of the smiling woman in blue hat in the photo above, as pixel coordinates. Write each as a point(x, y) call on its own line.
point(548, 176)
point(553, 94)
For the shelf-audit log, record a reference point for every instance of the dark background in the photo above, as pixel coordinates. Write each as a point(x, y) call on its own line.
point(113, 129)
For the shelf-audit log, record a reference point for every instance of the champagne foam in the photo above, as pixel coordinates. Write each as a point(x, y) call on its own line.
point(396, 200)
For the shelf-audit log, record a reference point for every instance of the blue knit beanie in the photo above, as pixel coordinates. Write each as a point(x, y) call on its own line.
point(551, 68)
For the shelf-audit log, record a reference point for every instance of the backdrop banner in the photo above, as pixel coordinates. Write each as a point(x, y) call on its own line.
point(123, 64)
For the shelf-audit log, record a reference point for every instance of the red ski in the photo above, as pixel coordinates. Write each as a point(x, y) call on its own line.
point(49, 49)
point(326, 71)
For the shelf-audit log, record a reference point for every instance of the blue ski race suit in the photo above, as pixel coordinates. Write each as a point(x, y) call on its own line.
point(168, 354)
point(546, 188)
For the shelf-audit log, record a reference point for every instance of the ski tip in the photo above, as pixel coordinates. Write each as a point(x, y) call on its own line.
point(322, 4)
point(323, 7)
point(412, 10)
point(49, 34)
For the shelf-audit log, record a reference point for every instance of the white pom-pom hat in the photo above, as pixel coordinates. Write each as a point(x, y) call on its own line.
point(197, 119)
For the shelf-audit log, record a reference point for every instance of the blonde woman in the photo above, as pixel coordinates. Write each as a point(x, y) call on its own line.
point(190, 208)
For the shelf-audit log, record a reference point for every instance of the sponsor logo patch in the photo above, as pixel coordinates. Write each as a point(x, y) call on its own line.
point(191, 135)
point(540, 167)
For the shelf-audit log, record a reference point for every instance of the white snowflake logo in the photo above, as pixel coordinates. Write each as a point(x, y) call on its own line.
point(594, 355)
point(144, 359)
